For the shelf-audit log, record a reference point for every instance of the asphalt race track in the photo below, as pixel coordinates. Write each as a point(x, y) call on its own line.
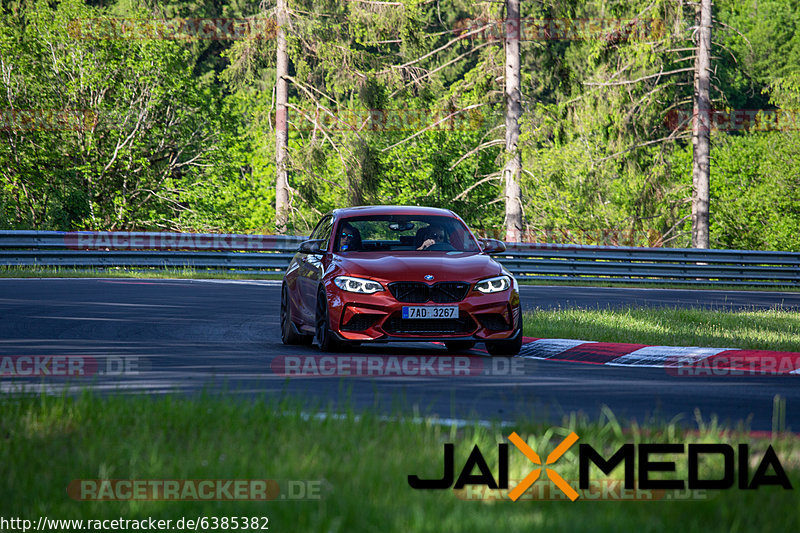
point(158, 336)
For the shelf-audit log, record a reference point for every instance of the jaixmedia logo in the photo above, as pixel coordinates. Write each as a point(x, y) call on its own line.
point(646, 466)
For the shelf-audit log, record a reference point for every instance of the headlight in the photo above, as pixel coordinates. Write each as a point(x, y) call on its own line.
point(351, 284)
point(498, 284)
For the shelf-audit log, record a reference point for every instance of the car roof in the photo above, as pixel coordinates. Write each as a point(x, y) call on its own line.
point(411, 210)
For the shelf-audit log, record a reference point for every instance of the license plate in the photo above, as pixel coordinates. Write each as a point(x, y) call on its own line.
point(430, 311)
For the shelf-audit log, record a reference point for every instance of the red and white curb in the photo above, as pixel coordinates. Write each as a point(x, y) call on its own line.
point(678, 360)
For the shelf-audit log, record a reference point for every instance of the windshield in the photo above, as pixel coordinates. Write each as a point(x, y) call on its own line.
point(390, 233)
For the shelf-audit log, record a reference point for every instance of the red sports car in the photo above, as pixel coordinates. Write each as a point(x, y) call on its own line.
point(388, 274)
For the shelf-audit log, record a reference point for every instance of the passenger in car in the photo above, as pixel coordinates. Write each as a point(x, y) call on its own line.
point(349, 238)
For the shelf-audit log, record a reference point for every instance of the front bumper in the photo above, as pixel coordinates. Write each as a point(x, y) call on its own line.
point(378, 318)
point(389, 338)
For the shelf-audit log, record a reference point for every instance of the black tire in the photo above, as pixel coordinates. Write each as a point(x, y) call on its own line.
point(326, 340)
point(506, 348)
point(459, 346)
point(289, 334)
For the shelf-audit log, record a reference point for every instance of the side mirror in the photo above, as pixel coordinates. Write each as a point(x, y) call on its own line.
point(310, 247)
point(492, 246)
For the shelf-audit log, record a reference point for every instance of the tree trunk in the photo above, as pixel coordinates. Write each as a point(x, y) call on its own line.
point(281, 123)
point(701, 130)
point(512, 169)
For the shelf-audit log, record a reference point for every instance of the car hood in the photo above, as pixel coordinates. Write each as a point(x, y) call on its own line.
point(443, 266)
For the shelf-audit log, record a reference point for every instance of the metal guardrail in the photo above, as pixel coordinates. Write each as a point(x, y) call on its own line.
point(270, 253)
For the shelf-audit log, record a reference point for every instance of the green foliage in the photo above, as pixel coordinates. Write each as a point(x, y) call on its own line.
point(148, 130)
point(757, 192)
point(184, 134)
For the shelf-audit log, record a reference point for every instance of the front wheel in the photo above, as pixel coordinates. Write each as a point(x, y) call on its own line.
point(506, 348)
point(326, 340)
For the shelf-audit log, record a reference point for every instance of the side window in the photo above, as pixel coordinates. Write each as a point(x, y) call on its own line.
point(323, 231)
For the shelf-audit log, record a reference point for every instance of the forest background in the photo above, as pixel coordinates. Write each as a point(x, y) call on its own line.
point(141, 115)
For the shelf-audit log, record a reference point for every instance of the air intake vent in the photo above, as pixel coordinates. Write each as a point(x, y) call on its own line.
point(360, 322)
point(493, 321)
point(449, 291)
point(410, 292)
point(414, 326)
point(416, 292)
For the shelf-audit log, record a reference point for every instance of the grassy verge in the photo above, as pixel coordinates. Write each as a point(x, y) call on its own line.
point(362, 463)
point(119, 272)
point(644, 285)
point(773, 329)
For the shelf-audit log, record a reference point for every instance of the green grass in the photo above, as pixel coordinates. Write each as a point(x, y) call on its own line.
point(621, 284)
point(120, 272)
point(363, 462)
point(772, 329)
